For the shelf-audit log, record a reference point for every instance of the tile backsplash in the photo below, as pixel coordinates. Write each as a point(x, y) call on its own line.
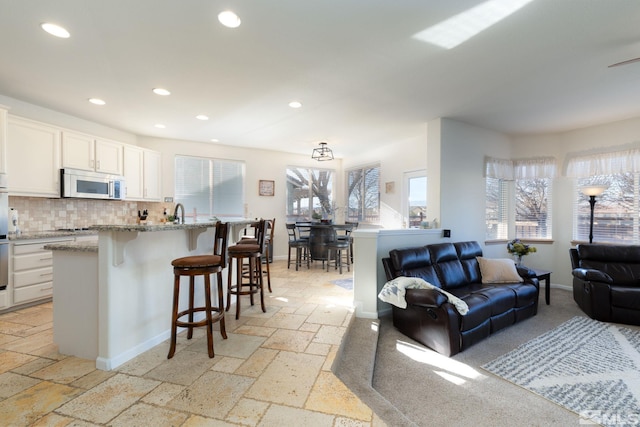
point(42, 214)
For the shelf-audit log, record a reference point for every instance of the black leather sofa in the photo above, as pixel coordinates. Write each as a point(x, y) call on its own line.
point(606, 282)
point(433, 321)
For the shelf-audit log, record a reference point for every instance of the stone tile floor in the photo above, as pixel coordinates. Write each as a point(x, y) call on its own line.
point(273, 370)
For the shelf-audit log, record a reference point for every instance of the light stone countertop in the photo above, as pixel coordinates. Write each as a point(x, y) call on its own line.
point(84, 246)
point(151, 227)
point(50, 234)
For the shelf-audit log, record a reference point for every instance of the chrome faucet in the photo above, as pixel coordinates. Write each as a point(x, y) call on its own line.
point(175, 213)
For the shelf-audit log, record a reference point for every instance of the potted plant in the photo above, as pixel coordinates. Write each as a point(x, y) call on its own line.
point(519, 249)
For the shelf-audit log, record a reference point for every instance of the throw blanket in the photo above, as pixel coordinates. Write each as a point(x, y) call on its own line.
point(394, 291)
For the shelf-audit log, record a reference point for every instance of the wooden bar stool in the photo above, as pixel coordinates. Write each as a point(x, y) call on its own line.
point(271, 224)
point(200, 265)
point(253, 253)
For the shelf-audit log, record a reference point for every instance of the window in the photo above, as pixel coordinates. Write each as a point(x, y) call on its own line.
point(209, 187)
point(309, 194)
point(533, 208)
point(415, 209)
point(616, 214)
point(496, 209)
point(530, 205)
point(363, 195)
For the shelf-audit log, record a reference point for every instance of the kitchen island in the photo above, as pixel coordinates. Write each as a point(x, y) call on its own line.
point(112, 299)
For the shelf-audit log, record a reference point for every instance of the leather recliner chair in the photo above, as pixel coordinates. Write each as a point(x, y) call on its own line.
point(606, 282)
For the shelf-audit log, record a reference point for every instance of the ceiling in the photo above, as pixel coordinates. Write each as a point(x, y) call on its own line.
point(364, 81)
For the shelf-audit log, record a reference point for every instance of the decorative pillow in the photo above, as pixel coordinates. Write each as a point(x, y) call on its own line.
point(501, 270)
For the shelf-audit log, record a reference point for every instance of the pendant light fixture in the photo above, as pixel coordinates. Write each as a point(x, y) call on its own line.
point(323, 153)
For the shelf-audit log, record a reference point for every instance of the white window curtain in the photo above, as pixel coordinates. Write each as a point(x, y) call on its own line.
point(508, 170)
point(616, 162)
point(498, 168)
point(535, 168)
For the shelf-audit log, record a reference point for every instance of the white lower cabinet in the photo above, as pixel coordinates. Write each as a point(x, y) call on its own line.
point(32, 270)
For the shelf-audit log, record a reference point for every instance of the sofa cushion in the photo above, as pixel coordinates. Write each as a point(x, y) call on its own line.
point(479, 311)
point(450, 271)
point(621, 262)
point(501, 270)
point(414, 262)
point(468, 253)
point(625, 297)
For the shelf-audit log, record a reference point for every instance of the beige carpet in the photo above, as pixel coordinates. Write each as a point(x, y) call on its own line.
point(408, 384)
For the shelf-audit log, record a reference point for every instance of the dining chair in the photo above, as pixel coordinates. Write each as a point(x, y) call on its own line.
point(301, 246)
point(339, 245)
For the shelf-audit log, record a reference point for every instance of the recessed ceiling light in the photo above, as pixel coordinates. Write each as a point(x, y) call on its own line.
point(162, 92)
point(215, 140)
point(229, 19)
point(295, 104)
point(55, 30)
point(160, 126)
point(202, 117)
point(97, 101)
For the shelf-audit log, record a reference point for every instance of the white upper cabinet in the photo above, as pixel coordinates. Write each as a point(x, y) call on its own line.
point(109, 156)
point(133, 164)
point(33, 150)
point(82, 151)
point(152, 175)
point(142, 173)
point(78, 151)
point(3, 139)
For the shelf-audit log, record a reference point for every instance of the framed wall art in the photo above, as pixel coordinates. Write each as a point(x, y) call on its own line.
point(266, 187)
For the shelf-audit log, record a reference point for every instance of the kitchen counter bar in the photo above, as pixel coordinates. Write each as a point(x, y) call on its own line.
point(112, 300)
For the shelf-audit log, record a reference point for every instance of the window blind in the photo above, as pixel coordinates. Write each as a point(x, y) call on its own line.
point(210, 186)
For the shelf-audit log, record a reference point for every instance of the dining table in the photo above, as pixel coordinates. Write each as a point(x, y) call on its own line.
point(319, 235)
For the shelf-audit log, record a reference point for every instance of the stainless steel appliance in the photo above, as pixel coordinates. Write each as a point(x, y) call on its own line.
point(4, 237)
point(91, 185)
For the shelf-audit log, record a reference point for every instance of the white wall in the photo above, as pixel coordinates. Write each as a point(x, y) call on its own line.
point(395, 159)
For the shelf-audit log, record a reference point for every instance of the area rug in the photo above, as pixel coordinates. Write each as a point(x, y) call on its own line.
point(344, 283)
point(588, 367)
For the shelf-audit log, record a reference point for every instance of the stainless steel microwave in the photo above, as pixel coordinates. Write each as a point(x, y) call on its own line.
point(91, 185)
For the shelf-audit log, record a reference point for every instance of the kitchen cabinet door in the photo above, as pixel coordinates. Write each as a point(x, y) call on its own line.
point(78, 151)
point(152, 175)
point(133, 164)
point(109, 156)
point(34, 150)
point(3, 140)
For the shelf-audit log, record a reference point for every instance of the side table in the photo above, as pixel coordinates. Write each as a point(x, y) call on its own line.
point(546, 276)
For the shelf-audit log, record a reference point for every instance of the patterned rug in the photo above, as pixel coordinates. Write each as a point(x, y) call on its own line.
point(589, 367)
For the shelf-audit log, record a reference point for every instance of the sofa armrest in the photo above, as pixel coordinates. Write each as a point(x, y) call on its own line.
point(591, 275)
point(525, 272)
point(425, 297)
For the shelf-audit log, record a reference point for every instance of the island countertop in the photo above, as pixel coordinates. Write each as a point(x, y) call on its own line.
point(152, 227)
point(83, 246)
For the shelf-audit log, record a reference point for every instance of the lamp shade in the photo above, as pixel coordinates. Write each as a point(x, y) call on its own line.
point(594, 190)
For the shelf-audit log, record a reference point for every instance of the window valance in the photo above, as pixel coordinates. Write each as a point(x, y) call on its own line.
point(536, 168)
point(498, 168)
point(508, 170)
point(604, 164)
